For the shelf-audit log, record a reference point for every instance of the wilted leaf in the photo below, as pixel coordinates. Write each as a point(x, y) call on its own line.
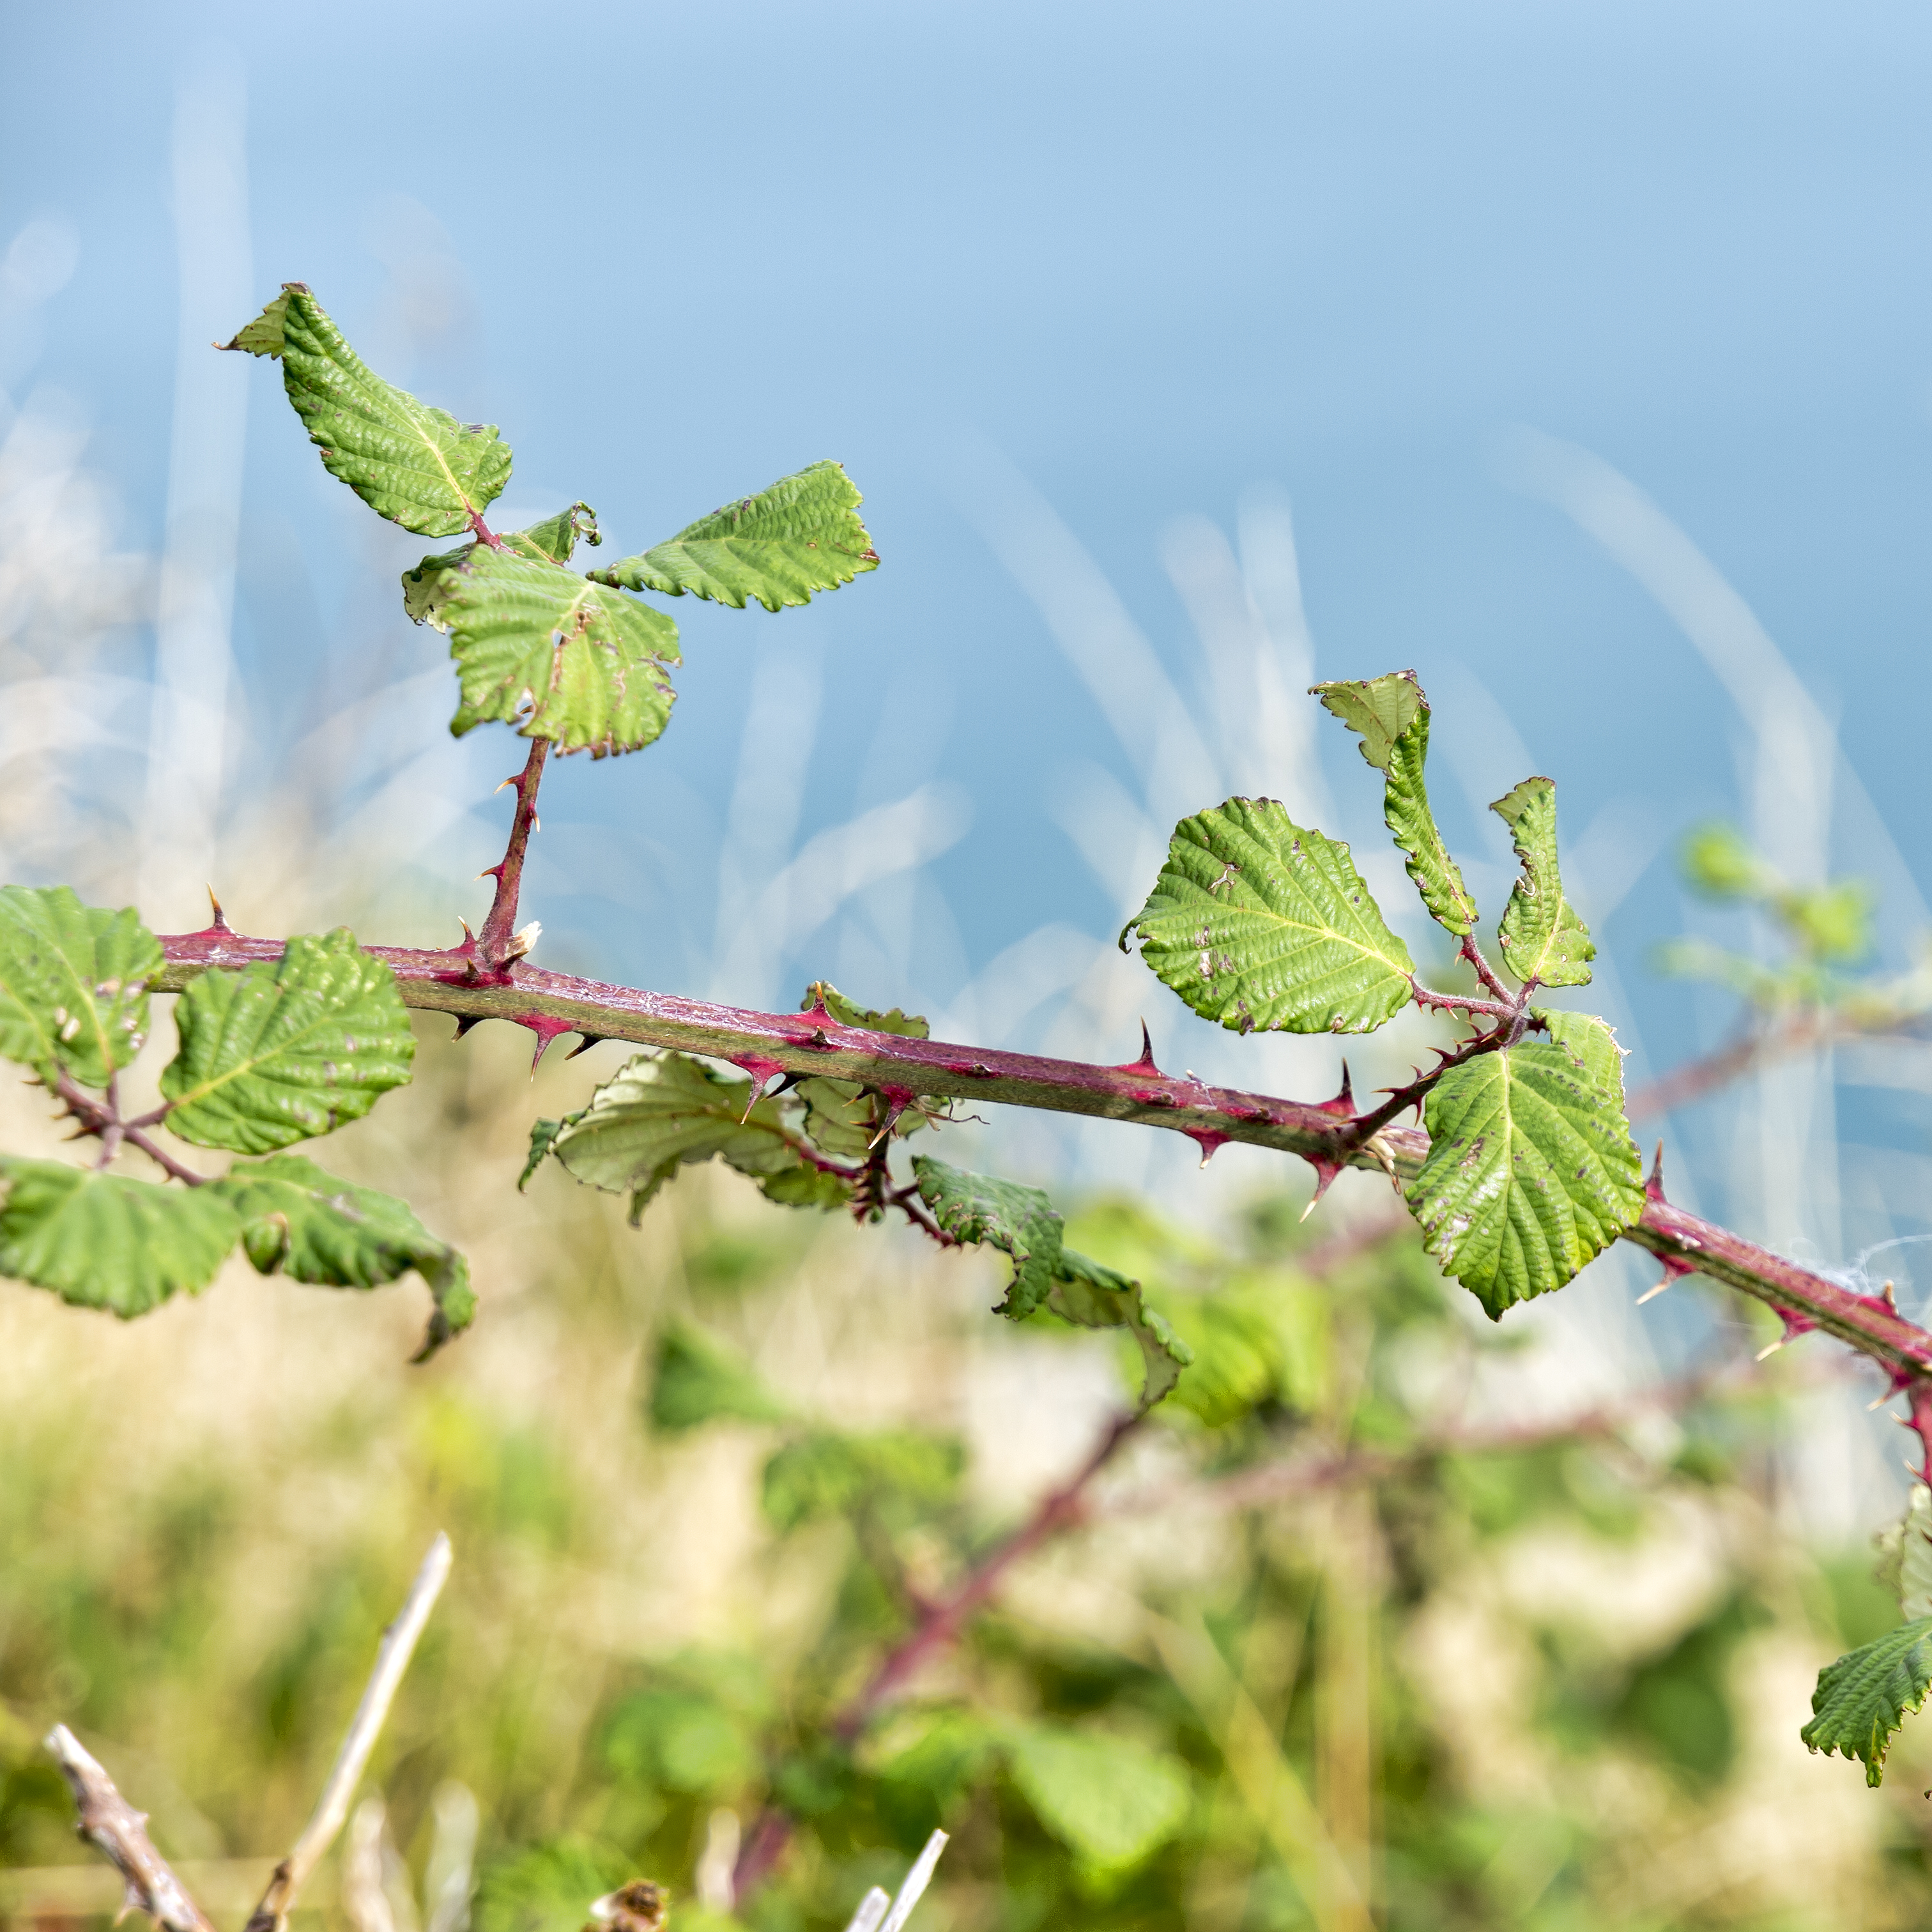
point(1111, 1801)
point(74, 983)
point(1255, 923)
point(280, 1051)
point(298, 1221)
point(417, 466)
point(659, 1111)
point(1542, 938)
point(1019, 1221)
point(696, 1379)
point(1391, 715)
point(101, 1240)
point(1531, 1172)
point(1091, 1295)
point(1862, 1699)
point(802, 534)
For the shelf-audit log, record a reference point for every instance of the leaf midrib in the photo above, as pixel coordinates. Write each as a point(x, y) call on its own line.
point(327, 1016)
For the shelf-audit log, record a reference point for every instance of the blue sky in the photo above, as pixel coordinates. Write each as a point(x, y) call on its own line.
point(1141, 258)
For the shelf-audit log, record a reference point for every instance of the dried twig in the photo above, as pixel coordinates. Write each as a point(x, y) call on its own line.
point(916, 1880)
point(112, 1825)
point(399, 1641)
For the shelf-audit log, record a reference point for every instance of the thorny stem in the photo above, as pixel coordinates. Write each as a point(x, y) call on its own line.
point(1472, 955)
point(937, 1628)
point(114, 1828)
point(484, 534)
point(1138, 1092)
point(495, 946)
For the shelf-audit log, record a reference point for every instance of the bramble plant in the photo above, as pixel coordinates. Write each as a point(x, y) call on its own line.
point(1521, 1168)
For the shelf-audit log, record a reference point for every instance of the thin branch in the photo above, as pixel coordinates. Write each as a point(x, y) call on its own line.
point(815, 1044)
point(112, 1825)
point(1471, 955)
point(162, 1159)
point(392, 1659)
point(495, 945)
point(1802, 1032)
point(1459, 1002)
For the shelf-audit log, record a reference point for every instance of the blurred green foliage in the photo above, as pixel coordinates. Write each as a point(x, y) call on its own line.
point(702, 1479)
point(1822, 930)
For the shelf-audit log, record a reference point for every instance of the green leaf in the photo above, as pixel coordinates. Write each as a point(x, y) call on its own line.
point(74, 983)
point(281, 1052)
point(844, 1118)
point(100, 1241)
point(543, 1140)
point(658, 1112)
point(1544, 940)
point(417, 466)
point(1256, 923)
point(802, 534)
point(556, 538)
point(1392, 716)
point(697, 1380)
point(1907, 1563)
point(1091, 1295)
point(823, 995)
point(1111, 1801)
point(299, 1221)
point(1019, 1221)
point(826, 1474)
point(1531, 1172)
point(1590, 1043)
point(551, 652)
point(1862, 1699)
point(553, 540)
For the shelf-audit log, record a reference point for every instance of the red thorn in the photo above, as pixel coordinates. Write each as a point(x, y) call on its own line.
point(1145, 1063)
point(1209, 1140)
point(758, 1066)
point(469, 946)
point(219, 923)
point(1673, 1269)
point(1653, 1188)
point(897, 1100)
point(1343, 1105)
point(1325, 1172)
point(544, 1027)
point(464, 1021)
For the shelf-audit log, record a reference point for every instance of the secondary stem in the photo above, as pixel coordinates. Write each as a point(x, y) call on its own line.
point(493, 945)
